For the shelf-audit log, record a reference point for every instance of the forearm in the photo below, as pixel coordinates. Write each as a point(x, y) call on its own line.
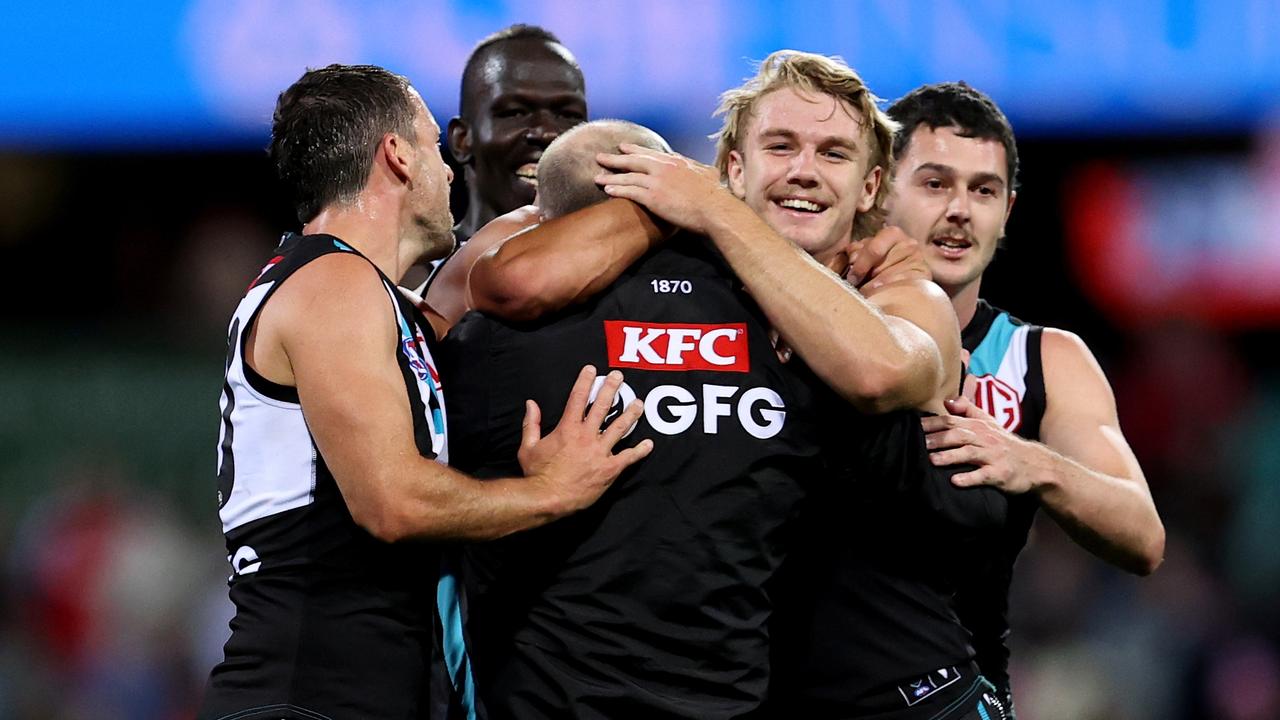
point(433, 501)
point(875, 362)
point(562, 261)
point(1113, 517)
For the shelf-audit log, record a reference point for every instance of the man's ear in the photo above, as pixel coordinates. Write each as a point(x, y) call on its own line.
point(870, 186)
point(459, 138)
point(733, 169)
point(399, 155)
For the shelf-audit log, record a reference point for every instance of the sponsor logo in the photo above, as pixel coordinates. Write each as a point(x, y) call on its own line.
point(677, 347)
point(999, 401)
point(673, 409)
point(423, 369)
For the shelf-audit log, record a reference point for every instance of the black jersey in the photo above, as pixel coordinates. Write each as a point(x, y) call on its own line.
point(656, 601)
point(868, 608)
point(1005, 359)
point(330, 622)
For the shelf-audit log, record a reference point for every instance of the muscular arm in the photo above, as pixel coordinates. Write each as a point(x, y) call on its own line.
point(876, 363)
point(562, 261)
point(876, 360)
point(338, 349)
point(447, 292)
point(1085, 472)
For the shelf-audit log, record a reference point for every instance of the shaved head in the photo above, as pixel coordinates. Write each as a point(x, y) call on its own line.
point(567, 171)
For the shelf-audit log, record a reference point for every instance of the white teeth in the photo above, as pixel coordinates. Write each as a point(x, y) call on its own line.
point(798, 204)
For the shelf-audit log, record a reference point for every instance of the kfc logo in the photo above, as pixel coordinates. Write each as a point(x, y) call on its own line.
point(999, 401)
point(662, 346)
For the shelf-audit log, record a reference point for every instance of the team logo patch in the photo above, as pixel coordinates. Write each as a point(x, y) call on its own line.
point(677, 347)
point(999, 401)
point(424, 371)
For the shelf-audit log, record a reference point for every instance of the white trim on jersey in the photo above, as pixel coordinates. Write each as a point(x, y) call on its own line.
point(275, 458)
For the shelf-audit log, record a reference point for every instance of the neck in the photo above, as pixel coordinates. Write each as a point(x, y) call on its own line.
point(370, 226)
point(478, 215)
point(964, 300)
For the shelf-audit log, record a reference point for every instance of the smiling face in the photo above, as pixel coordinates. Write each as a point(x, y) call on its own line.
point(524, 94)
point(952, 194)
point(802, 165)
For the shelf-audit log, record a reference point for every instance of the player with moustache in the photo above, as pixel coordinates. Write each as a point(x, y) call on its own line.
point(333, 488)
point(823, 158)
point(521, 88)
point(1039, 420)
point(866, 627)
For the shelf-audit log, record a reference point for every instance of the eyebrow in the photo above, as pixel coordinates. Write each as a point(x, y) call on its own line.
point(980, 178)
point(828, 140)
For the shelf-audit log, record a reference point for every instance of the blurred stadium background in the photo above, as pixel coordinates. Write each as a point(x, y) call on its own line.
point(136, 202)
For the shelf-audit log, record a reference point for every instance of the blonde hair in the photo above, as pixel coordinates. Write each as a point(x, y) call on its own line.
point(818, 75)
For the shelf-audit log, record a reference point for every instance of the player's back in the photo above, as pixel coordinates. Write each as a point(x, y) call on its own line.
point(655, 602)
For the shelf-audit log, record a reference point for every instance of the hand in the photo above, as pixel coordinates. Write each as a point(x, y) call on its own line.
point(887, 257)
point(671, 186)
point(575, 462)
point(970, 436)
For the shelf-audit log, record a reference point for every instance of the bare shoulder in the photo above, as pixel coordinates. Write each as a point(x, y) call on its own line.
point(1073, 378)
point(1062, 352)
point(923, 303)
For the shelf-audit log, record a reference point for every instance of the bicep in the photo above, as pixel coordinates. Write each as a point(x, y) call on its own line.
point(923, 312)
point(1080, 419)
point(341, 346)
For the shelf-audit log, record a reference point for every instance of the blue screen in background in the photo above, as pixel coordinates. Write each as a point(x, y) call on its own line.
point(205, 73)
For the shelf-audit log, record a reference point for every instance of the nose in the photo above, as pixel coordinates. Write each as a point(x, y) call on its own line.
point(803, 169)
point(958, 206)
point(542, 129)
point(448, 174)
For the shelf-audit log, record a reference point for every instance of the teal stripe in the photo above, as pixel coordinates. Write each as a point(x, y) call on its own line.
point(455, 648)
point(342, 246)
point(991, 351)
point(982, 710)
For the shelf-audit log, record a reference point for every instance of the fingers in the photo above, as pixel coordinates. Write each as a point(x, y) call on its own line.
point(627, 163)
point(970, 386)
point(965, 454)
point(629, 192)
point(622, 424)
point(973, 478)
point(531, 429)
point(964, 407)
point(633, 149)
point(604, 400)
point(621, 178)
point(632, 455)
point(575, 408)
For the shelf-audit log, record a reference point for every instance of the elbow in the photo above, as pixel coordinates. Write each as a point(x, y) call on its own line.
point(888, 387)
point(503, 290)
point(381, 519)
point(1152, 555)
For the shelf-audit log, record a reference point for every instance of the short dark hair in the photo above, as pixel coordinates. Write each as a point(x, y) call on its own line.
point(327, 126)
point(958, 105)
point(519, 31)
